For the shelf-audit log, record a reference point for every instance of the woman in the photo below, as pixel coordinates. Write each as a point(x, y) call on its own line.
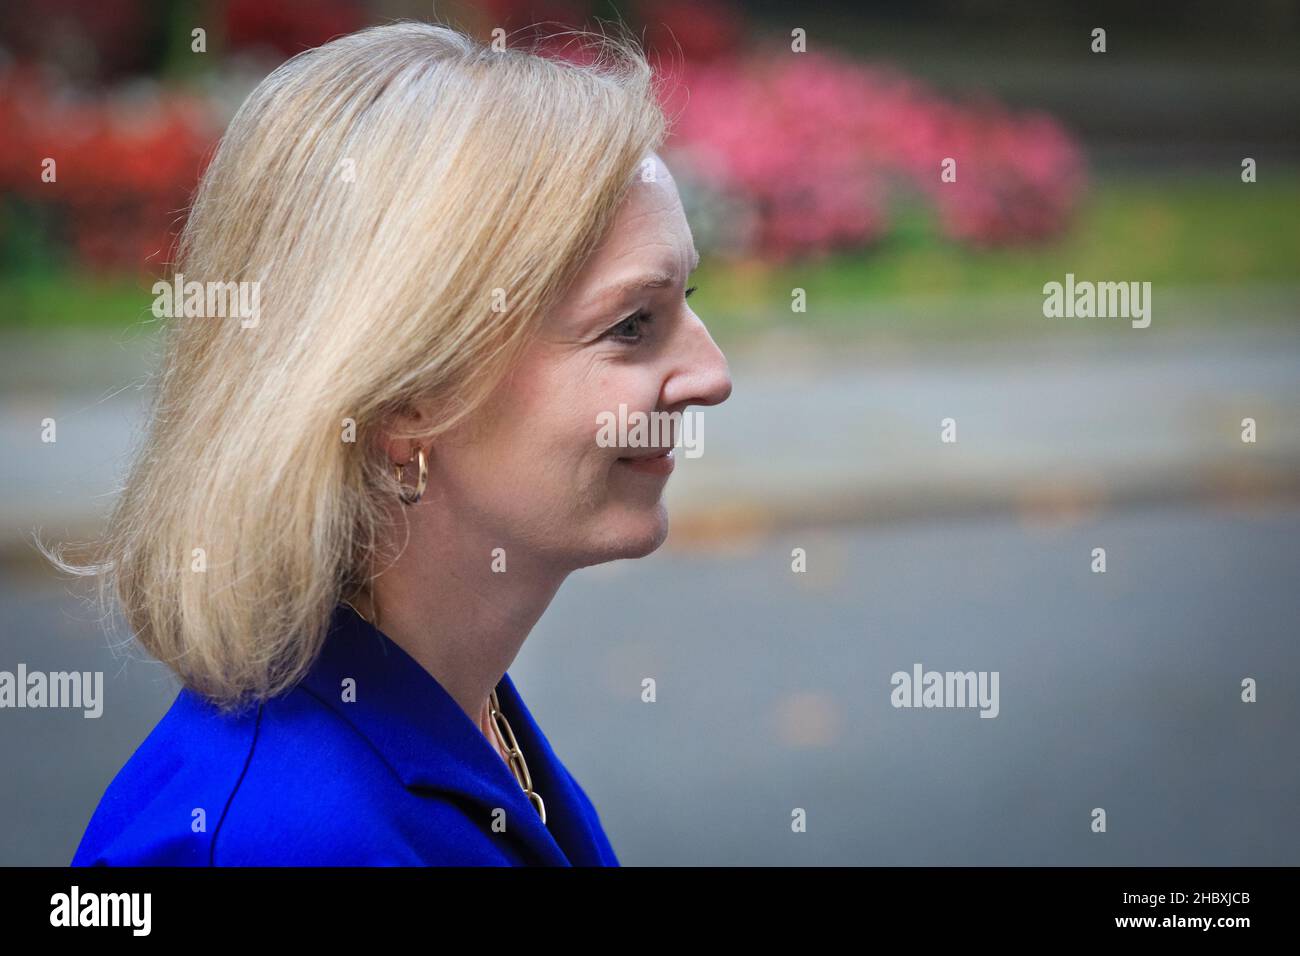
point(350, 511)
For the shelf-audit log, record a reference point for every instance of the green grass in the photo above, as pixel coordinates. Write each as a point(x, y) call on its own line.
point(69, 299)
point(1177, 233)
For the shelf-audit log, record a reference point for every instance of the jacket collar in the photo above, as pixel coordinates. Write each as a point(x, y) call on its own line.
point(431, 743)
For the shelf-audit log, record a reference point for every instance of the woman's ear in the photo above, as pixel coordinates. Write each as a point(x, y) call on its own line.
point(405, 430)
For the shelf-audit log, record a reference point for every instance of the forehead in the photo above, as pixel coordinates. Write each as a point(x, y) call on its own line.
point(649, 229)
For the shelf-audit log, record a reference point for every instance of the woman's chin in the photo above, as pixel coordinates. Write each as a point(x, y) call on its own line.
point(631, 535)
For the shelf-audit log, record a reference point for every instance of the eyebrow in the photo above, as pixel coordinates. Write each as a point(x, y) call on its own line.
point(650, 280)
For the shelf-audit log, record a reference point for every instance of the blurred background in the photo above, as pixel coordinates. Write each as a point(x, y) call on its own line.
point(817, 171)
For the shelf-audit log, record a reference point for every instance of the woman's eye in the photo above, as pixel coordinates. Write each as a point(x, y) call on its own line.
point(630, 329)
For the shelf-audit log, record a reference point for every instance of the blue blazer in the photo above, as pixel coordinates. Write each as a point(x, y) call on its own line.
point(399, 776)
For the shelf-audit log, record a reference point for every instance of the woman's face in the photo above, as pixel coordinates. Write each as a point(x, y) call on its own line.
point(530, 471)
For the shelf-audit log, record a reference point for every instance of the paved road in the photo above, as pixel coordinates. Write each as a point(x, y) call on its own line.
point(810, 435)
point(1117, 691)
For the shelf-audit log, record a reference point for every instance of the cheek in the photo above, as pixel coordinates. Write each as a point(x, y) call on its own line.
point(637, 387)
point(600, 400)
point(563, 406)
point(544, 421)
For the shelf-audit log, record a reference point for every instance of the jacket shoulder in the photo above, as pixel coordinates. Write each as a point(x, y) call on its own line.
point(316, 793)
point(160, 807)
point(287, 783)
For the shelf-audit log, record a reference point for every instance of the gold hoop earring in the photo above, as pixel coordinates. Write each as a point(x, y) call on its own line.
point(407, 497)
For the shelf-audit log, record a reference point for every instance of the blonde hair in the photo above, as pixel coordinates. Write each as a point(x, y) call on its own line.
point(472, 172)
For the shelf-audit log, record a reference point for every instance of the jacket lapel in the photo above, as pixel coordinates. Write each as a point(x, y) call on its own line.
point(425, 736)
point(573, 830)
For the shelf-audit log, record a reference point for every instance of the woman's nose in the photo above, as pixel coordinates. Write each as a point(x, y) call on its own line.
point(701, 375)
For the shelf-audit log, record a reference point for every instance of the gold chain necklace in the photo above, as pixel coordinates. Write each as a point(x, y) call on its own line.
point(517, 764)
point(505, 736)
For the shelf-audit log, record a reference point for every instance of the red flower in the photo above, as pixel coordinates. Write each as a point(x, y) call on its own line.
point(123, 169)
point(812, 143)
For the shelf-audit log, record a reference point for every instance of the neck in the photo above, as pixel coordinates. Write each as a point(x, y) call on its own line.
point(464, 623)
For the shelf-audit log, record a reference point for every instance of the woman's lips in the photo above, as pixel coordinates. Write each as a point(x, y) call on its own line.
point(661, 464)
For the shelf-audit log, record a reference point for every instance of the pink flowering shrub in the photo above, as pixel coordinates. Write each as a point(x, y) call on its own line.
point(781, 155)
point(814, 146)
